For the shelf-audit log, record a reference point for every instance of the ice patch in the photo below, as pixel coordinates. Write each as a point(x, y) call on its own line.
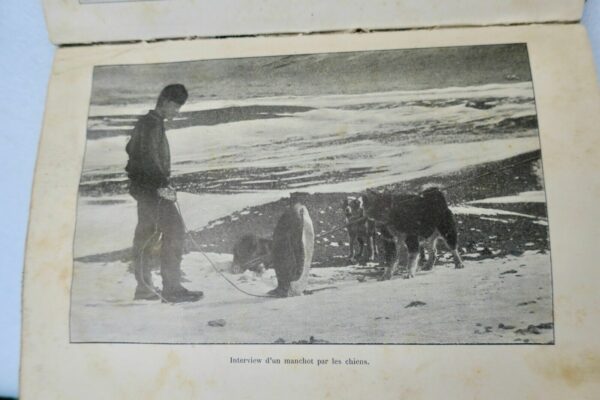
point(536, 196)
point(468, 210)
point(494, 220)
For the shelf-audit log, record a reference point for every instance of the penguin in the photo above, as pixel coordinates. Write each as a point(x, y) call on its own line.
point(292, 251)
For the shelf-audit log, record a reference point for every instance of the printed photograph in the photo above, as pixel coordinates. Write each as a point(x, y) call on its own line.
point(371, 197)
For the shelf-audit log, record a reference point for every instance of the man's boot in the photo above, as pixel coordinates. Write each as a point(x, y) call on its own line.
point(181, 295)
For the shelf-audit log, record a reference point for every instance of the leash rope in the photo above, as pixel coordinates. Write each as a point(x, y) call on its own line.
point(212, 264)
point(340, 227)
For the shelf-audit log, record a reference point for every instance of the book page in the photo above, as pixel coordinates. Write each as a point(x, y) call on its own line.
point(86, 21)
point(362, 213)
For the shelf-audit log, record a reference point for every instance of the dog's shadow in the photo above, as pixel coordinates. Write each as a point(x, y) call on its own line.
point(367, 270)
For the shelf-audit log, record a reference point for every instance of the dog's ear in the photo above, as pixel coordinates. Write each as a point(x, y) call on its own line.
point(345, 203)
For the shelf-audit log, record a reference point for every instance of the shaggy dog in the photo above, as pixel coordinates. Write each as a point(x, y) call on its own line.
point(252, 253)
point(410, 217)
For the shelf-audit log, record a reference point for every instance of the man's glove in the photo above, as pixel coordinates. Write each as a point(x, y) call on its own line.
point(167, 193)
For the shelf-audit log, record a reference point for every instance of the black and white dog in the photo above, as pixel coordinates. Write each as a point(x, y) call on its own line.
point(411, 218)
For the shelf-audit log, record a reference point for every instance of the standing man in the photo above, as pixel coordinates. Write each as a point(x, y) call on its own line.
point(149, 168)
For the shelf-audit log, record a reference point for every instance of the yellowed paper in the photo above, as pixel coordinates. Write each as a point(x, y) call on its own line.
point(53, 366)
point(87, 21)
